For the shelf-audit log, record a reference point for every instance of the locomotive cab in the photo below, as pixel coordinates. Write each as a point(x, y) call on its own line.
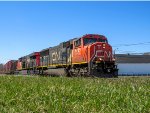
point(89, 46)
point(93, 52)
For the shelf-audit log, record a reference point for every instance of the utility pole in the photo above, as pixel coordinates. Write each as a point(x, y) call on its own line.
point(115, 52)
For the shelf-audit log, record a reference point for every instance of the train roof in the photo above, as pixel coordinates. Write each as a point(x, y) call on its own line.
point(33, 54)
point(44, 49)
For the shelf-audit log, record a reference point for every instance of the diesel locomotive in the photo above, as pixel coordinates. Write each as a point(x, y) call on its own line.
point(89, 55)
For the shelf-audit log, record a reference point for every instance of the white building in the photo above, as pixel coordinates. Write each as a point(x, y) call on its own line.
point(133, 64)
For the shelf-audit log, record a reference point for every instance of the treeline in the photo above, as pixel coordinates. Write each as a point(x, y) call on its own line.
point(1, 68)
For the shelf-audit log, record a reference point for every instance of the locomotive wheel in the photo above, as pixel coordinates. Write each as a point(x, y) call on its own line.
point(115, 74)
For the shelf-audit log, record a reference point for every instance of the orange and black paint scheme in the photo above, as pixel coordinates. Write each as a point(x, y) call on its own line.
point(89, 55)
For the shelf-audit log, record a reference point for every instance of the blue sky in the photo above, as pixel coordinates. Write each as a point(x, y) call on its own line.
point(26, 27)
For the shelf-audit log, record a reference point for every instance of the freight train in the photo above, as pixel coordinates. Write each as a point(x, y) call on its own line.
point(89, 55)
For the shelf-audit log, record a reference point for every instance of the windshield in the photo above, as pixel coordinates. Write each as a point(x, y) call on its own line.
point(89, 40)
point(102, 40)
point(93, 40)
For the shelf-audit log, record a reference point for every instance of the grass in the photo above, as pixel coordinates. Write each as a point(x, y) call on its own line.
point(24, 94)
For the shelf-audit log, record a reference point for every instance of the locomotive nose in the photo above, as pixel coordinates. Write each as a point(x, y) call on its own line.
point(102, 46)
point(102, 52)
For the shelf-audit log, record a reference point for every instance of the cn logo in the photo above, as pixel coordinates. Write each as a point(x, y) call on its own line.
point(108, 54)
point(55, 56)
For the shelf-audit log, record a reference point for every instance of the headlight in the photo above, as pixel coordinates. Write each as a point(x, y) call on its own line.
point(104, 45)
point(113, 59)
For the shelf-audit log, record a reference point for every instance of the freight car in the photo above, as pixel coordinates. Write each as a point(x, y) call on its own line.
point(89, 55)
point(10, 67)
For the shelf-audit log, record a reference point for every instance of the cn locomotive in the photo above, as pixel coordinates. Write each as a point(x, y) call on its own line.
point(89, 55)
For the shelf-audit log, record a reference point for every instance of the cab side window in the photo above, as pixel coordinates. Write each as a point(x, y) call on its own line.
point(66, 44)
point(78, 43)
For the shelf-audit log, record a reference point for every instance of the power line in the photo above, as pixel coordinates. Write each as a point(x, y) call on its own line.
point(134, 52)
point(143, 43)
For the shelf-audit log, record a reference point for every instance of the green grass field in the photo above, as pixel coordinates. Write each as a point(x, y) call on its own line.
point(25, 94)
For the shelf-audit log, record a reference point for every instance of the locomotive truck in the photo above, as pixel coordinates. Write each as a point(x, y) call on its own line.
point(89, 55)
